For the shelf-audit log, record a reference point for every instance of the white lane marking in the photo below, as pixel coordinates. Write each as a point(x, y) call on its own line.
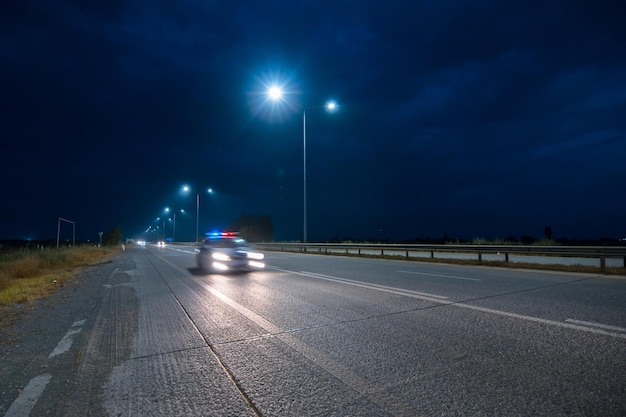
point(375, 393)
point(540, 320)
point(185, 250)
point(439, 275)
point(378, 287)
point(438, 299)
point(599, 325)
point(66, 342)
point(23, 405)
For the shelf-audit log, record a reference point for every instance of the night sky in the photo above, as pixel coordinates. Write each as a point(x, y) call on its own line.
point(466, 118)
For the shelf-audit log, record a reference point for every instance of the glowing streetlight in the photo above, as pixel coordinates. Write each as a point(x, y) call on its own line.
point(275, 93)
point(167, 210)
point(187, 189)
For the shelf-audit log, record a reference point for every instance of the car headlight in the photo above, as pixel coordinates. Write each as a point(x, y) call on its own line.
point(218, 256)
point(256, 264)
point(255, 255)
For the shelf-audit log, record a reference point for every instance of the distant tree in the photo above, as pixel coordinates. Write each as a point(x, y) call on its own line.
point(266, 228)
point(113, 237)
point(564, 241)
point(527, 240)
point(548, 232)
point(254, 228)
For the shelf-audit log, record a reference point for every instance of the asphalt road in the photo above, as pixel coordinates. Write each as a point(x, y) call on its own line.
point(149, 335)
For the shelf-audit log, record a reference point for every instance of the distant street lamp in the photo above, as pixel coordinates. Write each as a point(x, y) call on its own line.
point(151, 232)
point(167, 210)
point(163, 227)
point(275, 94)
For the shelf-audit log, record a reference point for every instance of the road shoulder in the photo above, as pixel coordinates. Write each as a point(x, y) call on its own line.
point(64, 335)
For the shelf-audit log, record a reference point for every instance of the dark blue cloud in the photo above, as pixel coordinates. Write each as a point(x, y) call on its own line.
point(467, 118)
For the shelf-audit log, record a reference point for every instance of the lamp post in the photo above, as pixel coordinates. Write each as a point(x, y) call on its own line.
point(167, 210)
point(157, 219)
point(275, 94)
point(186, 189)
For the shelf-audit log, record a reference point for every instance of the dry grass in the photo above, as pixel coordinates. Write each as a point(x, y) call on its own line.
point(29, 275)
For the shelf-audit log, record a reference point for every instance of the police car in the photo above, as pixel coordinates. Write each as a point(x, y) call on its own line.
point(226, 251)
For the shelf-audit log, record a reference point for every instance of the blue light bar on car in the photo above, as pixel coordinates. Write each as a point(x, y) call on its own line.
point(222, 234)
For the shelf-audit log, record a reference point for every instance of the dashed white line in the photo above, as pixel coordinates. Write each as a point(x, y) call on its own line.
point(66, 342)
point(23, 405)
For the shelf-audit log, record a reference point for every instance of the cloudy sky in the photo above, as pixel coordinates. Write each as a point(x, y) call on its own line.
point(470, 118)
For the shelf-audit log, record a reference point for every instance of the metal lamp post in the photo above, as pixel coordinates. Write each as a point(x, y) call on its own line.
point(167, 210)
point(186, 189)
point(276, 94)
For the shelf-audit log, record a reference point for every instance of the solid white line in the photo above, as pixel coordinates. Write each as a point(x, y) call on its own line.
point(441, 276)
point(375, 393)
point(192, 251)
point(438, 299)
point(540, 320)
point(599, 325)
point(23, 405)
point(378, 287)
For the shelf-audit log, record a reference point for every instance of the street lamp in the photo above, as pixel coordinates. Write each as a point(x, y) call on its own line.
point(167, 210)
point(186, 189)
point(275, 94)
point(157, 219)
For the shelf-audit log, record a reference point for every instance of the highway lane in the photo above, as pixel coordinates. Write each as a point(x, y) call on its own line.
point(316, 335)
point(333, 336)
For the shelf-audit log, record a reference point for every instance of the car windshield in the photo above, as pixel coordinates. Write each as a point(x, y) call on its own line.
point(228, 243)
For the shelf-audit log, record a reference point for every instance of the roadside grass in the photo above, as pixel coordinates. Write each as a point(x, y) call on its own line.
point(27, 275)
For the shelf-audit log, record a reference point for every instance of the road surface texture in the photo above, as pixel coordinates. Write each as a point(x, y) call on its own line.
point(149, 335)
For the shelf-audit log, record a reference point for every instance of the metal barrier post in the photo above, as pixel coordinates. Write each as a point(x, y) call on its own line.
point(603, 264)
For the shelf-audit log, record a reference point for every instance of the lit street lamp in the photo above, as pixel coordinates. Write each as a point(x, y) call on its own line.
point(157, 219)
point(275, 94)
point(167, 210)
point(186, 189)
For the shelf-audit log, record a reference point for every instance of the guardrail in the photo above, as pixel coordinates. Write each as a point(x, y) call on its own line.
point(417, 250)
